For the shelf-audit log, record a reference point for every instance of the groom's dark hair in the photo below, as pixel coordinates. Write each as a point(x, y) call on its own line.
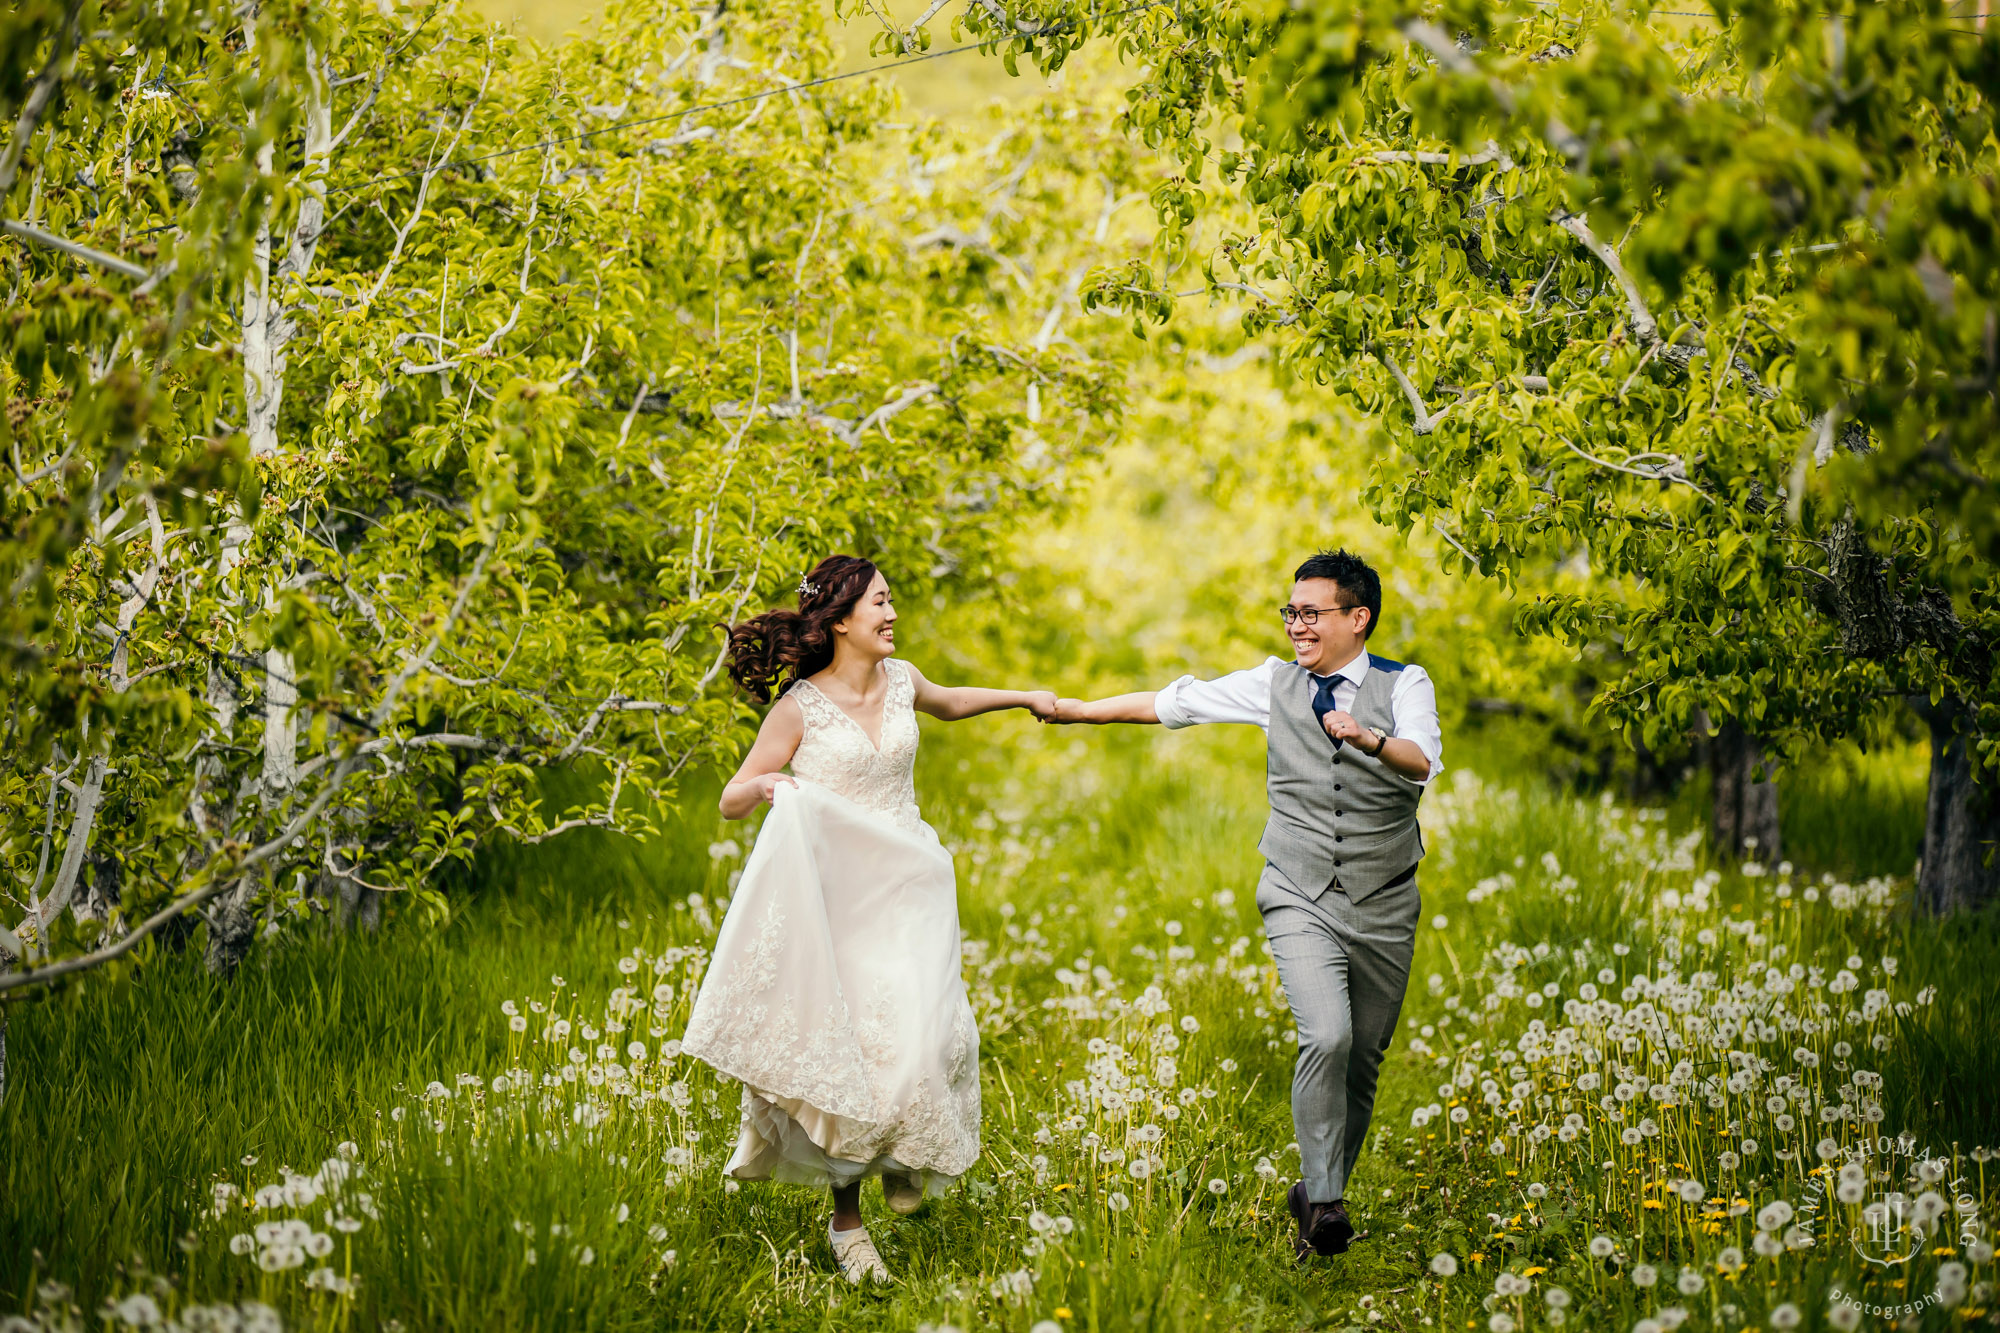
point(1358, 583)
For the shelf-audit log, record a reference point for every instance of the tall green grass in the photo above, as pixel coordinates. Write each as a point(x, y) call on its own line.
point(1118, 850)
point(125, 1098)
point(1857, 813)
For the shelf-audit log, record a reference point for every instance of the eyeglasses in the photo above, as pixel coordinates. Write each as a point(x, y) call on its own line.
point(1311, 614)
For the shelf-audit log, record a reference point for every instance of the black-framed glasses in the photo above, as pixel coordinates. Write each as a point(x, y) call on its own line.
point(1311, 614)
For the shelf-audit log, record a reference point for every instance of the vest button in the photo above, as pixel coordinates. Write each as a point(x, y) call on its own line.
point(1340, 814)
point(1336, 786)
point(1338, 838)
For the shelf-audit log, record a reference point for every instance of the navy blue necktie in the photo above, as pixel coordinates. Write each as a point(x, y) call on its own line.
point(1323, 702)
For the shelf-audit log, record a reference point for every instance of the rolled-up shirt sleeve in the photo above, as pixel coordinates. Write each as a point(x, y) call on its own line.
point(1241, 696)
point(1415, 710)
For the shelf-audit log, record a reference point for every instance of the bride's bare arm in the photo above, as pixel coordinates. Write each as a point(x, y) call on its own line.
point(950, 703)
point(762, 770)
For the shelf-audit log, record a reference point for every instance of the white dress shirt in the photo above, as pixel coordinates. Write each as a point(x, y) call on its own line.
point(1245, 696)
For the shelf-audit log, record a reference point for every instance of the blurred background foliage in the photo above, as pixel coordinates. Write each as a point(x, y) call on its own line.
point(1166, 553)
point(1177, 545)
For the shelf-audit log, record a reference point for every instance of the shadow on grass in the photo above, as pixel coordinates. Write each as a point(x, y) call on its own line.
point(1949, 1086)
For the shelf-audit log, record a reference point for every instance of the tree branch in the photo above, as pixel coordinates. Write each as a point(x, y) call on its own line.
point(72, 248)
point(39, 96)
point(1442, 49)
point(1452, 541)
point(1644, 326)
point(424, 186)
point(1425, 423)
point(1670, 472)
point(1491, 153)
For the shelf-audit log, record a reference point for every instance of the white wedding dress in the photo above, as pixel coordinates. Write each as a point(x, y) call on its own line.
point(834, 993)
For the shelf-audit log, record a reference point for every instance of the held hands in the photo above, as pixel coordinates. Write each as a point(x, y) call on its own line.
point(1117, 708)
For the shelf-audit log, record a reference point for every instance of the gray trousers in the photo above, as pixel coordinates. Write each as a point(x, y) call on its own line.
point(1344, 966)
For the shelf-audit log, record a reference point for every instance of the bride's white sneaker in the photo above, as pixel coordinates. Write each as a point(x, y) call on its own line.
point(902, 1194)
point(856, 1255)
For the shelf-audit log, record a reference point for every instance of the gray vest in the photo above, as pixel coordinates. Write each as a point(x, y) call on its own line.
point(1338, 817)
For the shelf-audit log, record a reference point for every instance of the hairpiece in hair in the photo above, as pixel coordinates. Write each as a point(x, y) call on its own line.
point(807, 587)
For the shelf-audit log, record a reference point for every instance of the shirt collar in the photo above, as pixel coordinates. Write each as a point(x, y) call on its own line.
point(1353, 672)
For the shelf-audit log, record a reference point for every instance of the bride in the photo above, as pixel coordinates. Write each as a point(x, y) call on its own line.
point(834, 994)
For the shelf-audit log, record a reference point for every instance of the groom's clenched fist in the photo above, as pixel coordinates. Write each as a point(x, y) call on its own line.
point(1342, 727)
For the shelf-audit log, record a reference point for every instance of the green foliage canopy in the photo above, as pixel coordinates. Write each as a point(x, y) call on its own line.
point(463, 391)
point(1708, 304)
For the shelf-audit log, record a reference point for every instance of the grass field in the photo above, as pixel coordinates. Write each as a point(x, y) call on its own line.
point(1618, 1062)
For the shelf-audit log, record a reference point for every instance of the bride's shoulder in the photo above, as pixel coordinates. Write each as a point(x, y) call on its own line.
point(788, 712)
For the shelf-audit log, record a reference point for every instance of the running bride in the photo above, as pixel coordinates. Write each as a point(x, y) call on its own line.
point(834, 994)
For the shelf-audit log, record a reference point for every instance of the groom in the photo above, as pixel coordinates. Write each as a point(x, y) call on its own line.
point(1352, 740)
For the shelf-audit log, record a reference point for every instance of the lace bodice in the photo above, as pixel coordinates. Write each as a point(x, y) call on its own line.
point(836, 753)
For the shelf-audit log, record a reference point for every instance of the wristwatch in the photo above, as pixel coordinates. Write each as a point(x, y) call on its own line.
point(1381, 739)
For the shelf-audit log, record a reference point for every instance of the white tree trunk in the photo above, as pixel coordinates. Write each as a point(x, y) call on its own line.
point(268, 327)
point(263, 366)
point(281, 724)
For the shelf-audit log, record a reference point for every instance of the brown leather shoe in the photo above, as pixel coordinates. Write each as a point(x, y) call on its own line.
point(1332, 1233)
point(1301, 1209)
point(1323, 1227)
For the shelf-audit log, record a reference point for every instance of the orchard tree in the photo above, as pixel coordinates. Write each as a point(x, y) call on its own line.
point(1710, 304)
point(394, 415)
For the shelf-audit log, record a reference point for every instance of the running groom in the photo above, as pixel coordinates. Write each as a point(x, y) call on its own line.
point(1352, 740)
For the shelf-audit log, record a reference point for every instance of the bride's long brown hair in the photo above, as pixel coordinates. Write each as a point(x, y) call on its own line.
point(782, 647)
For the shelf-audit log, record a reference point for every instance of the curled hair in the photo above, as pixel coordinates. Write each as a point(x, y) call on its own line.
point(782, 647)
